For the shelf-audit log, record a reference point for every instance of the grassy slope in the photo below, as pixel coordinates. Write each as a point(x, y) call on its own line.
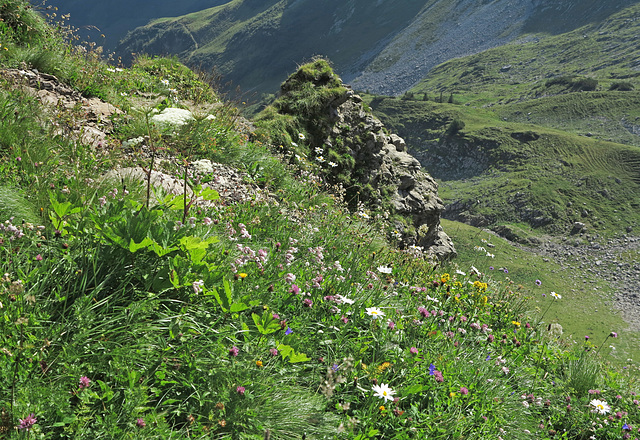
point(513, 79)
point(533, 149)
point(577, 310)
point(521, 172)
point(232, 37)
point(606, 51)
point(120, 325)
point(523, 148)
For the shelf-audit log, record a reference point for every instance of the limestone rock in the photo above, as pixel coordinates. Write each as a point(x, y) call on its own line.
point(383, 162)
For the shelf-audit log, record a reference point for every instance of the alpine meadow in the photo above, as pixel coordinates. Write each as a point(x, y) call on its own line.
point(363, 250)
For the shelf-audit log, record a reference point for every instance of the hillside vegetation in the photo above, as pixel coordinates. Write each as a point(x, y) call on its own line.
point(266, 310)
point(386, 47)
point(522, 173)
point(544, 132)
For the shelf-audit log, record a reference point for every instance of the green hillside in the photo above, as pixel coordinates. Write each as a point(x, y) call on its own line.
point(540, 65)
point(386, 49)
point(492, 171)
point(108, 22)
point(543, 132)
point(232, 37)
point(165, 274)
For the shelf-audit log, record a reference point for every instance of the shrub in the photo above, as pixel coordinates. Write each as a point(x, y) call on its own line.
point(454, 127)
point(622, 86)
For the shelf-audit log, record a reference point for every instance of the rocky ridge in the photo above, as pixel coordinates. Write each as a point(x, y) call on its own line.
point(366, 165)
point(382, 160)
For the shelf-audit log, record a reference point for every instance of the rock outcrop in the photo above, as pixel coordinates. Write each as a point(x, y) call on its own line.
point(383, 163)
point(355, 152)
point(94, 113)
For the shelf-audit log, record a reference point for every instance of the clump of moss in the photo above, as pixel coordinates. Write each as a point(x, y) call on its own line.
point(302, 108)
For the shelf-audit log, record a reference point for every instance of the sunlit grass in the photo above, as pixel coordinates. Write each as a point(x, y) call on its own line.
point(124, 316)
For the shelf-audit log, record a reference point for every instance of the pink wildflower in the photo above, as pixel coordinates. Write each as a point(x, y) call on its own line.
point(84, 382)
point(27, 422)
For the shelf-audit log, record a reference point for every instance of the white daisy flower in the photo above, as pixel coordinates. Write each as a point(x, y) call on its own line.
point(600, 406)
point(374, 312)
point(383, 391)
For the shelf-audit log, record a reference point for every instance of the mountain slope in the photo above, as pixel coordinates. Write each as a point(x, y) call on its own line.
point(386, 48)
point(493, 172)
point(115, 18)
point(607, 51)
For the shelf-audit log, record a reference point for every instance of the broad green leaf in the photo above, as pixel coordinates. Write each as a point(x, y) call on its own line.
point(134, 247)
point(238, 307)
point(196, 247)
point(284, 350)
point(298, 357)
point(209, 194)
point(222, 300)
point(258, 322)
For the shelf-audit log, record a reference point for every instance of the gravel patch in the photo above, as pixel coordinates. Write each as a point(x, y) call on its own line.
point(611, 261)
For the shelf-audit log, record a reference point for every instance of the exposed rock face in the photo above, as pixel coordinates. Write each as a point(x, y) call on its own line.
point(94, 112)
point(383, 163)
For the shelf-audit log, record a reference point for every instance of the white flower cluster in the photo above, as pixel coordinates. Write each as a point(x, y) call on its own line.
point(172, 117)
point(203, 166)
point(133, 142)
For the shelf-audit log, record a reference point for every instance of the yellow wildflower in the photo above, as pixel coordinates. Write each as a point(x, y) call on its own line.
point(480, 286)
point(445, 277)
point(259, 363)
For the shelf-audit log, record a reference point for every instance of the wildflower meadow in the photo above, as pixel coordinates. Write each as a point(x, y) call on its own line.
point(127, 311)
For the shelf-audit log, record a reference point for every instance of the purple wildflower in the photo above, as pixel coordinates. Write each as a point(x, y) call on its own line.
point(432, 369)
point(140, 423)
point(84, 382)
point(413, 350)
point(240, 390)
point(233, 351)
point(288, 331)
point(27, 422)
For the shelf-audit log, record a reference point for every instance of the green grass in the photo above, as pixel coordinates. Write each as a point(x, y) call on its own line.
point(123, 317)
point(527, 173)
point(601, 51)
point(585, 305)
